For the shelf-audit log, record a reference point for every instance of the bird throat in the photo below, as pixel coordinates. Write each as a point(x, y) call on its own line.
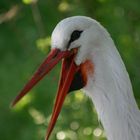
point(80, 78)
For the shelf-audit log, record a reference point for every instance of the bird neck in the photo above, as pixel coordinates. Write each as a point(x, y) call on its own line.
point(111, 92)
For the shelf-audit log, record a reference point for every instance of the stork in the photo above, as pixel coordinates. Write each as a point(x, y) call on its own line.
point(91, 62)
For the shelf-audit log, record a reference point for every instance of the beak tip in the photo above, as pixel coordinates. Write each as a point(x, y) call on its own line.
point(47, 137)
point(12, 105)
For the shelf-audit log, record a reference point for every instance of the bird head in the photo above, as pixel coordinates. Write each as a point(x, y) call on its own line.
point(72, 41)
point(78, 32)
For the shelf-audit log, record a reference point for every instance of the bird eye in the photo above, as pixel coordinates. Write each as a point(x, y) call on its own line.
point(74, 36)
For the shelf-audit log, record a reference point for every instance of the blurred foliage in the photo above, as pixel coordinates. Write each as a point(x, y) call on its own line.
point(25, 30)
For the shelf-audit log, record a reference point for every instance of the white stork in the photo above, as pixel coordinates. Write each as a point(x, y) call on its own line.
point(90, 61)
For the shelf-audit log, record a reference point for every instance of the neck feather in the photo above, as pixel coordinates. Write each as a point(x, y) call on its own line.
point(111, 92)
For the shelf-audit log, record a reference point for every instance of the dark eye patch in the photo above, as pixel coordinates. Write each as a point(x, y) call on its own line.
point(74, 36)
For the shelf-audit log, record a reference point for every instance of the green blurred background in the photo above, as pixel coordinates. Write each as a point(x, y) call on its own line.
point(25, 30)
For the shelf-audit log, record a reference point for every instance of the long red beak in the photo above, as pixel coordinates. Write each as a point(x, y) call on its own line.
point(67, 74)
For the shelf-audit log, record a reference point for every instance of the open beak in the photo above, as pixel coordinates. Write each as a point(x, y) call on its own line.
point(68, 71)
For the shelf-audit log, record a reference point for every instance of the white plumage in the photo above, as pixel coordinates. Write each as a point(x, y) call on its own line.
point(109, 86)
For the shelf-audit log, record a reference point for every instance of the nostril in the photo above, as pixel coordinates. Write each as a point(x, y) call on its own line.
point(55, 55)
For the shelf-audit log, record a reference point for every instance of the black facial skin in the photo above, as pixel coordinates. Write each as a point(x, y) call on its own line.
point(77, 82)
point(74, 36)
